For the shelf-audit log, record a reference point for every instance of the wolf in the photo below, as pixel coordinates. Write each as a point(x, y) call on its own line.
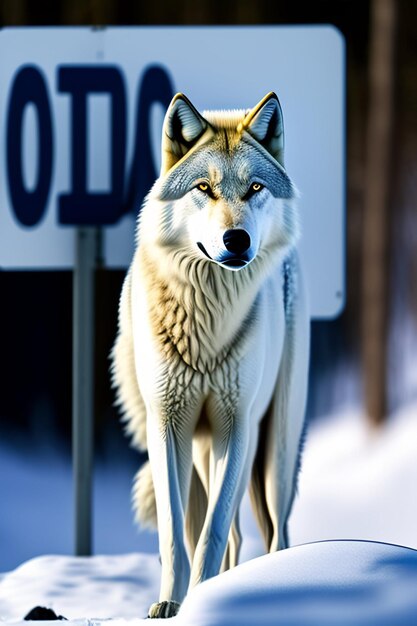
point(210, 362)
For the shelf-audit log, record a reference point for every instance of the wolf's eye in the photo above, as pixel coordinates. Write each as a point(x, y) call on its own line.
point(254, 188)
point(206, 189)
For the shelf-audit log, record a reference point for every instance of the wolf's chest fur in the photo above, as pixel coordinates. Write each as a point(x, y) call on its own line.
point(199, 314)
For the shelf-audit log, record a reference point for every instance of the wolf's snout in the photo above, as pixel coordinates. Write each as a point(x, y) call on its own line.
point(236, 240)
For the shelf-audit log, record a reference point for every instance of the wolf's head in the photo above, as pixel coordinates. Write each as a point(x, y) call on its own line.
point(223, 192)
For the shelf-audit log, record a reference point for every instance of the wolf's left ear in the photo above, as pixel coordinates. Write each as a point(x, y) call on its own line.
point(265, 123)
point(183, 126)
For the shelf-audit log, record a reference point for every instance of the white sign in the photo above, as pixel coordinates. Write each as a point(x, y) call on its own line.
point(81, 113)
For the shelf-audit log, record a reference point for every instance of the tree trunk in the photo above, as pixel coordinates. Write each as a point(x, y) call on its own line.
point(376, 241)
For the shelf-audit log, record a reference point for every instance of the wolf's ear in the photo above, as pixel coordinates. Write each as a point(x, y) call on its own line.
point(183, 126)
point(265, 123)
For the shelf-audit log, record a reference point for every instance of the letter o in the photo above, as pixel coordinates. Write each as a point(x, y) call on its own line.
point(29, 86)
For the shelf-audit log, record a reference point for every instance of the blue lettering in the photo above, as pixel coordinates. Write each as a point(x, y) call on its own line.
point(80, 206)
point(28, 87)
point(156, 86)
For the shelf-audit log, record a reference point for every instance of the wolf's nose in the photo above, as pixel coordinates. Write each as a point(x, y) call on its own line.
point(236, 240)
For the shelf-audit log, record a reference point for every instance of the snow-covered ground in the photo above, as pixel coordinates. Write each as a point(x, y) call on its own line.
point(356, 483)
point(336, 583)
point(103, 587)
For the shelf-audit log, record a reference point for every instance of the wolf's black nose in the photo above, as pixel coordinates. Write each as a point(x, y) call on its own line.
point(236, 240)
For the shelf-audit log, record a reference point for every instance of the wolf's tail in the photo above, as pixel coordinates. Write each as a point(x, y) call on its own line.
point(143, 497)
point(123, 374)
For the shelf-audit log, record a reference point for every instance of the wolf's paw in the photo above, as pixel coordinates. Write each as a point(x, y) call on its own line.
point(164, 609)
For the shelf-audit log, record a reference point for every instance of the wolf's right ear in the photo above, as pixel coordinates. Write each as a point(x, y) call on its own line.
point(183, 126)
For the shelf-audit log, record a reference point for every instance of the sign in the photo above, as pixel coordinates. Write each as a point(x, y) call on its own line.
point(81, 114)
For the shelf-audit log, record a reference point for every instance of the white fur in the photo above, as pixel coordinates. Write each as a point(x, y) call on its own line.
point(205, 355)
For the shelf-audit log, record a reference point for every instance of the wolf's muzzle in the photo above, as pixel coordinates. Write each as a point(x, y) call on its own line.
point(237, 243)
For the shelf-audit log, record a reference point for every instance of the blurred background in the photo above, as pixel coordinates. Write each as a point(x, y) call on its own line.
point(360, 469)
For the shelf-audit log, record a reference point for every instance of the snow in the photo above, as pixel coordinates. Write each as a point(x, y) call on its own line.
point(332, 583)
point(321, 584)
point(356, 483)
point(100, 587)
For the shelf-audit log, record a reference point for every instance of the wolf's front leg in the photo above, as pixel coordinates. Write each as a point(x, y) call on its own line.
point(229, 475)
point(170, 456)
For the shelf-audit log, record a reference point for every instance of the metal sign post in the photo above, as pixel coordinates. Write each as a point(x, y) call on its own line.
point(86, 256)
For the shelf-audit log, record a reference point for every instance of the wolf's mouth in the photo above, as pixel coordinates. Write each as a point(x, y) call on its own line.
point(228, 261)
point(234, 262)
point(203, 250)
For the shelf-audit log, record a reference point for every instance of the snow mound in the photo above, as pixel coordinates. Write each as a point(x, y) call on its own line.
point(335, 583)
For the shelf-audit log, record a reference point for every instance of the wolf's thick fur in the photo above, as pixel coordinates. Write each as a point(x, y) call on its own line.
point(211, 359)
